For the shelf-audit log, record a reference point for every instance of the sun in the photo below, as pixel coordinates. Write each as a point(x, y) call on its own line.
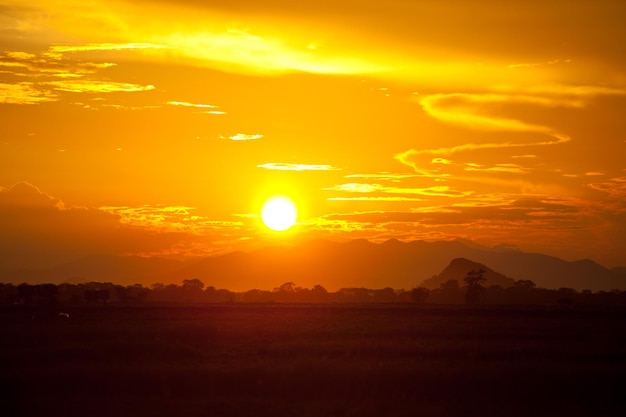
point(279, 213)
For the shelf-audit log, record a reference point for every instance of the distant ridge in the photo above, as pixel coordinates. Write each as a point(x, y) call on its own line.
point(334, 265)
point(458, 269)
point(621, 270)
point(125, 270)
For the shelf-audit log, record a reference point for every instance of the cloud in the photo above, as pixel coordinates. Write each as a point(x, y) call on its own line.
point(378, 198)
point(382, 176)
point(464, 109)
point(48, 64)
point(93, 86)
point(51, 73)
point(562, 94)
point(261, 52)
point(615, 188)
point(282, 166)
point(187, 104)
point(39, 230)
point(470, 110)
point(511, 168)
point(438, 191)
point(539, 64)
point(26, 196)
point(404, 156)
point(466, 118)
point(200, 35)
point(245, 136)
point(201, 106)
point(60, 49)
point(171, 219)
point(557, 225)
point(24, 93)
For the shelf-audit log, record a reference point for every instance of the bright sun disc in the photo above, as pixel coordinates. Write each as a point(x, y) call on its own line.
point(279, 213)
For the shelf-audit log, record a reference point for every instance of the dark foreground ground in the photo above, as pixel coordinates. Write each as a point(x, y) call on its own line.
point(314, 360)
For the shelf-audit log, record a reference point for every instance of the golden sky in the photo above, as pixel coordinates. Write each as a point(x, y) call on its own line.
point(160, 127)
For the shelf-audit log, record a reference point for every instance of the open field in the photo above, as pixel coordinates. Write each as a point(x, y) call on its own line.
point(314, 360)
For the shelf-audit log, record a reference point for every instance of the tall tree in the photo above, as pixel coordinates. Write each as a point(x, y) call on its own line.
point(475, 290)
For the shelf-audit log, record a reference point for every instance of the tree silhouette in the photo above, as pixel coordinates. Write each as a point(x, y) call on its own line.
point(475, 291)
point(193, 283)
point(287, 287)
point(525, 284)
point(419, 294)
point(317, 294)
point(450, 285)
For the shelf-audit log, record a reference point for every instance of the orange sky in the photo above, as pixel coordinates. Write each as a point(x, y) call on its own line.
point(159, 127)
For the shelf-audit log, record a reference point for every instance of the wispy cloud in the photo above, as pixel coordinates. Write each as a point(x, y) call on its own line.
point(511, 168)
point(103, 47)
point(539, 64)
point(170, 219)
point(355, 187)
point(490, 111)
point(203, 108)
point(408, 157)
point(24, 93)
point(50, 73)
point(245, 136)
point(93, 86)
point(615, 188)
point(479, 146)
point(251, 51)
point(33, 65)
point(195, 105)
point(383, 176)
point(439, 191)
point(377, 198)
point(562, 94)
point(282, 166)
point(202, 35)
point(465, 109)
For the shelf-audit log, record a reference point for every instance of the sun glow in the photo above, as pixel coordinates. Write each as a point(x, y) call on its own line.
point(279, 213)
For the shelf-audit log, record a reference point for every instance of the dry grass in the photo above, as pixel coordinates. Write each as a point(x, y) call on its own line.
point(317, 360)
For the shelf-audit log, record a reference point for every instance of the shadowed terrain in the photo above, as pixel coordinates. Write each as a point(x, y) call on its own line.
point(314, 360)
point(358, 263)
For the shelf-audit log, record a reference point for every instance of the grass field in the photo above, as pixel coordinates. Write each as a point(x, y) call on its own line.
point(314, 360)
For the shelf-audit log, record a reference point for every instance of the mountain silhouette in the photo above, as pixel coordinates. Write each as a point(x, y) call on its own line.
point(458, 269)
point(621, 270)
point(124, 270)
point(334, 265)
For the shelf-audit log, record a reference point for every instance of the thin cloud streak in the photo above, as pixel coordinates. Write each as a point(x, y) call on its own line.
point(103, 47)
point(465, 110)
point(380, 198)
point(171, 219)
point(48, 64)
point(282, 166)
point(203, 108)
point(382, 176)
point(187, 104)
point(88, 86)
point(24, 93)
point(439, 191)
point(245, 136)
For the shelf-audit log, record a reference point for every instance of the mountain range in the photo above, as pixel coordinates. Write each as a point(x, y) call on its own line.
point(457, 270)
point(334, 265)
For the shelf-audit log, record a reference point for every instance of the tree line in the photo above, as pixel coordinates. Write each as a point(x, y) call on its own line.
point(470, 291)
